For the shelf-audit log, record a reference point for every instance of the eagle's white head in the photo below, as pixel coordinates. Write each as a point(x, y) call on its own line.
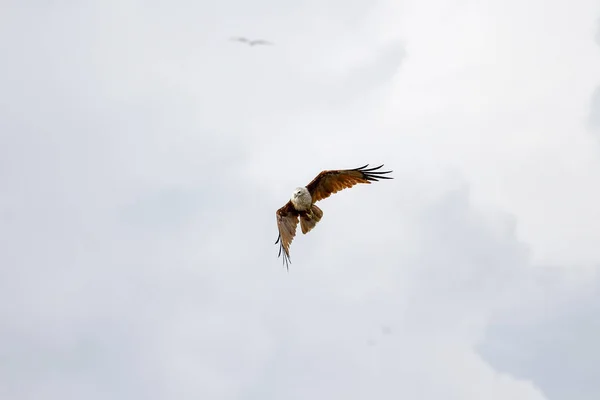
point(301, 198)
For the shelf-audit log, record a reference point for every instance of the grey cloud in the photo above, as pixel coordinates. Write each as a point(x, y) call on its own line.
point(366, 79)
point(359, 84)
point(169, 207)
point(594, 115)
point(138, 256)
point(180, 315)
point(556, 353)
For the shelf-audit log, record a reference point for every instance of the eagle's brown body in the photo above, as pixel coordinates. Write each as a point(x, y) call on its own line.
point(302, 203)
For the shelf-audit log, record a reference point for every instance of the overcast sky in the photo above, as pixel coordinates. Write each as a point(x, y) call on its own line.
point(143, 156)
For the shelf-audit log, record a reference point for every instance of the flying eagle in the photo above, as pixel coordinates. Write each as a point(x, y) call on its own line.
point(251, 42)
point(302, 203)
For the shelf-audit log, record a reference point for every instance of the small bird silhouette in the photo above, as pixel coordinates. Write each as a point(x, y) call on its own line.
point(249, 42)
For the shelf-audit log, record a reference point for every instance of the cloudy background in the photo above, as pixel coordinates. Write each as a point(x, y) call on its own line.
point(143, 156)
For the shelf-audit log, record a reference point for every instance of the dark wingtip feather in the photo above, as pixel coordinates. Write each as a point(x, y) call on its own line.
point(286, 259)
point(361, 168)
point(372, 174)
point(370, 169)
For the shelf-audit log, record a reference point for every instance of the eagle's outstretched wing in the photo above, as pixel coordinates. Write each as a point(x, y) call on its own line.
point(329, 182)
point(287, 221)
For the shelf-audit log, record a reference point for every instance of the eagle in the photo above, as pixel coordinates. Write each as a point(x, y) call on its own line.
point(251, 42)
point(302, 203)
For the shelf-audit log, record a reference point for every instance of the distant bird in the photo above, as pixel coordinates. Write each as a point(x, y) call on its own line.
point(302, 202)
point(249, 42)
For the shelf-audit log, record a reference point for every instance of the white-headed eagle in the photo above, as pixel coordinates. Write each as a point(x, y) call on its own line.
point(302, 202)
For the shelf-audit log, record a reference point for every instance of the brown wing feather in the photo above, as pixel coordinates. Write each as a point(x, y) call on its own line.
point(329, 182)
point(287, 221)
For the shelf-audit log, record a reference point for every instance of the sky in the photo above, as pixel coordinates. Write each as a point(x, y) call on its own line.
point(143, 155)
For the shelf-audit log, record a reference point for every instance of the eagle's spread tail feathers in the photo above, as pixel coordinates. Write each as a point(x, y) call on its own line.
point(307, 222)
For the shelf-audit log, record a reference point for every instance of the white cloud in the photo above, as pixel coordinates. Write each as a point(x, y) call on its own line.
point(143, 156)
point(501, 94)
point(594, 118)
